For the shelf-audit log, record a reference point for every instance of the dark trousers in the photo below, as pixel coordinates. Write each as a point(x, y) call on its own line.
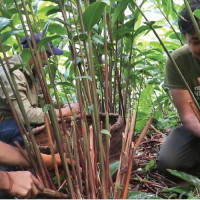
point(9, 133)
point(180, 151)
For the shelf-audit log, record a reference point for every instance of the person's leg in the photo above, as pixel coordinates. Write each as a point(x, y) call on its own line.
point(180, 150)
point(9, 132)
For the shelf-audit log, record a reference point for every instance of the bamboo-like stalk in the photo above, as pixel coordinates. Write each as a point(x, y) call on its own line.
point(79, 181)
point(132, 153)
point(122, 162)
point(170, 57)
point(51, 146)
point(128, 78)
point(79, 94)
point(64, 162)
point(106, 105)
point(53, 194)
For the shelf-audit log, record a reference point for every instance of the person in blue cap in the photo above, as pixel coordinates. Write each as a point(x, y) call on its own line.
point(9, 132)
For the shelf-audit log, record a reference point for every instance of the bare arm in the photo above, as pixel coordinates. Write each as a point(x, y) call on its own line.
point(188, 117)
point(11, 156)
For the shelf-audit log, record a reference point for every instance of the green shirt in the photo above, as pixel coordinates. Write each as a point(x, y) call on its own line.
point(27, 92)
point(189, 65)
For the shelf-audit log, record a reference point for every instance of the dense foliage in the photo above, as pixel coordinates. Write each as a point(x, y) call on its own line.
point(135, 58)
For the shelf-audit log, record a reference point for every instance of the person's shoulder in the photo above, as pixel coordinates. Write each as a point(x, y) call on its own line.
point(181, 52)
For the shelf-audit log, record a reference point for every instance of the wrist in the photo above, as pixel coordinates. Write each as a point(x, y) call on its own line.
point(4, 181)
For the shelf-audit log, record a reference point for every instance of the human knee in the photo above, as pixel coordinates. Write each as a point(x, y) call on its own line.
point(167, 162)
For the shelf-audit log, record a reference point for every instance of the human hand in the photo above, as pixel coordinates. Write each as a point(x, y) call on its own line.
point(23, 184)
point(48, 160)
point(66, 111)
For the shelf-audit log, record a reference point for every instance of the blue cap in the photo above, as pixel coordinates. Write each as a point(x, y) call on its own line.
point(55, 50)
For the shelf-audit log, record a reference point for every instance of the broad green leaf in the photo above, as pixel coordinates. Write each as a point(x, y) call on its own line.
point(91, 108)
point(46, 108)
point(197, 13)
point(82, 37)
point(81, 77)
point(35, 6)
point(141, 195)
point(44, 31)
point(17, 66)
point(119, 10)
point(54, 10)
point(26, 55)
point(97, 39)
point(47, 39)
point(145, 107)
point(57, 19)
point(68, 84)
point(106, 132)
point(184, 190)
point(123, 32)
point(4, 13)
point(193, 180)
point(93, 14)
point(114, 167)
point(4, 22)
point(142, 29)
point(6, 48)
point(4, 36)
point(166, 7)
point(57, 29)
point(150, 23)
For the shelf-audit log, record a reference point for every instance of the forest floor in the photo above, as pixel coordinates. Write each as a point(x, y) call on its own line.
point(145, 176)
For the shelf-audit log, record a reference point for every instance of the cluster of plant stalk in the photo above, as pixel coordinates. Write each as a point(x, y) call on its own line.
point(89, 175)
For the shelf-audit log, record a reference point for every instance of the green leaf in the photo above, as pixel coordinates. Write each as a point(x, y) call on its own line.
point(140, 195)
point(197, 13)
point(91, 108)
point(59, 20)
point(93, 14)
point(119, 10)
point(47, 39)
point(15, 68)
point(114, 167)
point(26, 55)
point(46, 108)
point(142, 29)
point(145, 107)
point(193, 180)
point(81, 77)
point(45, 29)
point(4, 22)
point(53, 10)
point(166, 7)
point(82, 37)
point(184, 190)
point(4, 36)
point(106, 132)
point(150, 23)
point(35, 5)
point(4, 13)
point(98, 39)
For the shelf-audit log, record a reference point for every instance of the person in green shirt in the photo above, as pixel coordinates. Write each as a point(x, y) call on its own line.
point(182, 146)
